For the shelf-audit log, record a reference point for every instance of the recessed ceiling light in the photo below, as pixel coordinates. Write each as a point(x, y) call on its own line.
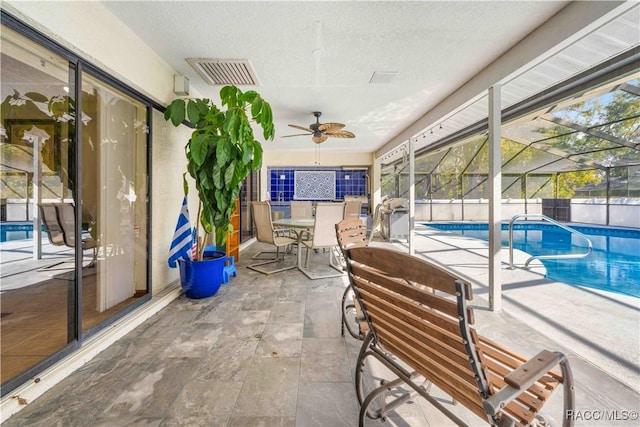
point(380, 77)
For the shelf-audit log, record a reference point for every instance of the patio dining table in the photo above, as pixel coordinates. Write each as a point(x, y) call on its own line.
point(298, 226)
point(295, 223)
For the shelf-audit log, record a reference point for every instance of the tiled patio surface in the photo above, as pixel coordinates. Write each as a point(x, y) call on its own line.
point(267, 351)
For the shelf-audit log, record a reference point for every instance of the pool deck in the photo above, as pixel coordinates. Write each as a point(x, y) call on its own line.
point(603, 328)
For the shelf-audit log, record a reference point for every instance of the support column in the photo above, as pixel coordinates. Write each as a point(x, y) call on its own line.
point(495, 201)
point(412, 194)
point(36, 137)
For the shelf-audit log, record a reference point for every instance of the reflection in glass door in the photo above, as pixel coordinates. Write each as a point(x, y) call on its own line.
point(114, 193)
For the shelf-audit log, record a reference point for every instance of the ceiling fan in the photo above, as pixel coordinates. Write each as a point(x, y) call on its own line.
point(321, 131)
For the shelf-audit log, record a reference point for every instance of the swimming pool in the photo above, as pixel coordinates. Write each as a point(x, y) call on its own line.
point(10, 231)
point(614, 264)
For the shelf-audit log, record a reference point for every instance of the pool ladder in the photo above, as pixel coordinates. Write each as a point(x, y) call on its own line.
point(545, 218)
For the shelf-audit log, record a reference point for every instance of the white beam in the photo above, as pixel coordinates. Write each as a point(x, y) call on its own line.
point(495, 201)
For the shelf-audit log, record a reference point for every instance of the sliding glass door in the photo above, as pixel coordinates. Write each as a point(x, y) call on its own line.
point(73, 249)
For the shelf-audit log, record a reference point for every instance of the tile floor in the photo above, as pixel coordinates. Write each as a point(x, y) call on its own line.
point(264, 351)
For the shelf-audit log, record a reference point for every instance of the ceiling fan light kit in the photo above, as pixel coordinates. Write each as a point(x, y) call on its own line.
point(320, 132)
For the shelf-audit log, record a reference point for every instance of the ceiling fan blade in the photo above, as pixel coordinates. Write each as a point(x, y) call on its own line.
point(340, 134)
point(318, 139)
point(330, 127)
point(301, 128)
point(297, 134)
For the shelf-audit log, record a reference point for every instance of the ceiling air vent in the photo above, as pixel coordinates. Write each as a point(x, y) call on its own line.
point(225, 71)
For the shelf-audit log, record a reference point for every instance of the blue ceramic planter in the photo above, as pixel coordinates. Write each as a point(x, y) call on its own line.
point(201, 279)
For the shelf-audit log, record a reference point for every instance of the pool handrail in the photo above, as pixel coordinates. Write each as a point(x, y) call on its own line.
point(545, 218)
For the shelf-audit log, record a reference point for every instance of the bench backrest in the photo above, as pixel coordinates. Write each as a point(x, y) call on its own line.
point(413, 311)
point(351, 232)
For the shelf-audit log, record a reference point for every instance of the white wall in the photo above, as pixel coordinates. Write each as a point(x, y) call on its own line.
point(473, 209)
point(623, 211)
point(90, 30)
point(169, 163)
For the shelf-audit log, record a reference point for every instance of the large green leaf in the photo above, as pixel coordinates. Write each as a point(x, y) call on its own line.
point(256, 163)
point(193, 112)
point(230, 125)
point(185, 184)
point(223, 151)
point(266, 114)
point(198, 147)
point(229, 96)
point(218, 181)
point(176, 111)
point(228, 174)
point(249, 96)
point(256, 106)
point(204, 180)
point(205, 220)
point(247, 151)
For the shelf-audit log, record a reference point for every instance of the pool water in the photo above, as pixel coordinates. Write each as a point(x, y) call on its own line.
point(16, 231)
point(614, 264)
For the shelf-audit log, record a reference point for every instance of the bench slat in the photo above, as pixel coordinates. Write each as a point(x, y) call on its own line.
point(420, 296)
point(397, 264)
point(444, 380)
point(421, 331)
point(408, 336)
point(447, 323)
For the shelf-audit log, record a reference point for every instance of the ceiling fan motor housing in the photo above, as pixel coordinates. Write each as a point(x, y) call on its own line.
point(320, 132)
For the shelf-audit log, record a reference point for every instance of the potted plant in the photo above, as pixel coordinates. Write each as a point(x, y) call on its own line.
point(221, 152)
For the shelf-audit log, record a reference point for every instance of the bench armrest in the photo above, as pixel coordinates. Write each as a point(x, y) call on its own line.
point(521, 379)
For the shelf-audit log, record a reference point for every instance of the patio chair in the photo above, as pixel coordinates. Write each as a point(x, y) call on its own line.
point(59, 226)
point(421, 328)
point(351, 232)
point(49, 218)
point(266, 233)
point(352, 208)
point(323, 236)
point(66, 220)
point(301, 209)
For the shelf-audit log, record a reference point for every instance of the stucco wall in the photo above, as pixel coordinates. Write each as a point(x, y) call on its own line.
point(91, 31)
point(168, 165)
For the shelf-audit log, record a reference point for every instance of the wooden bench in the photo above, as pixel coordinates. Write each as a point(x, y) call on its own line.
point(421, 330)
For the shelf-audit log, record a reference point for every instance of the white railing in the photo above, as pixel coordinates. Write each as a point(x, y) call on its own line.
point(557, 256)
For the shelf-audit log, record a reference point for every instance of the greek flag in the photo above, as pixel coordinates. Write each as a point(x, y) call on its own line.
point(182, 238)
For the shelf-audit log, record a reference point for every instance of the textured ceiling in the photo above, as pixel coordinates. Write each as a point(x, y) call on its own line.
point(320, 56)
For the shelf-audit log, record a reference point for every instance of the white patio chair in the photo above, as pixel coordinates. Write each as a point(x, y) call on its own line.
point(323, 237)
point(301, 209)
point(266, 233)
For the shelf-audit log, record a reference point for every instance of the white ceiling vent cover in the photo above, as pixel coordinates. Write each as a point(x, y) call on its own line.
point(225, 71)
